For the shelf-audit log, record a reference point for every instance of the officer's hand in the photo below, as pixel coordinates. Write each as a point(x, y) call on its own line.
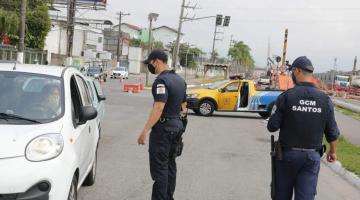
point(331, 157)
point(142, 138)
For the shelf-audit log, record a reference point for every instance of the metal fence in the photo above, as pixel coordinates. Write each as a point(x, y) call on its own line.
point(31, 56)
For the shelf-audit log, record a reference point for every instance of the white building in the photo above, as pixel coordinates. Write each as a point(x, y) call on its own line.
point(165, 35)
point(132, 30)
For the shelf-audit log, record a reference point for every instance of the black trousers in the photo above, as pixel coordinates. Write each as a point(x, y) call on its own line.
point(163, 138)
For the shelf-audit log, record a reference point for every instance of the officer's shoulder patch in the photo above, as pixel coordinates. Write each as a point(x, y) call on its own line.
point(160, 89)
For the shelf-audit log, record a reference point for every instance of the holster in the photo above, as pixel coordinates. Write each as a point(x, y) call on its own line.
point(322, 150)
point(178, 148)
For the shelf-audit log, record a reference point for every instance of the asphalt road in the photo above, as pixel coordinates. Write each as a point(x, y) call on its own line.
point(226, 157)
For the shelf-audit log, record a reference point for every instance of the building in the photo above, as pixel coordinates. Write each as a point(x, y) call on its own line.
point(133, 31)
point(166, 35)
point(111, 38)
point(88, 39)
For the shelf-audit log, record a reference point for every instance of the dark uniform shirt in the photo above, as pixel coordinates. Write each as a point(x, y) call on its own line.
point(170, 88)
point(303, 115)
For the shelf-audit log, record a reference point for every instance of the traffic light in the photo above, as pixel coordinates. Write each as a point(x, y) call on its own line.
point(219, 19)
point(227, 21)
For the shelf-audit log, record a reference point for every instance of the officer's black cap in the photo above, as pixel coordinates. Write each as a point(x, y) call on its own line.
point(156, 54)
point(302, 63)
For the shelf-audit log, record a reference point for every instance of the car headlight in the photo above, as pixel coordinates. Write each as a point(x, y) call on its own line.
point(44, 147)
point(192, 95)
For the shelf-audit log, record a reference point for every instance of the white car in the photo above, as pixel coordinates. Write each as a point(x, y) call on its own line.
point(49, 135)
point(120, 72)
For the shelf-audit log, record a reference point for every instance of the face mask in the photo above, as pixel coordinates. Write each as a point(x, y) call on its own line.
point(151, 68)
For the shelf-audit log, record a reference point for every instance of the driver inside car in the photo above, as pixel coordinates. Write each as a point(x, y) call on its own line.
point(51, 99)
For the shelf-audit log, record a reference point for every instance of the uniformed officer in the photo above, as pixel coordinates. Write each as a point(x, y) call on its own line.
point(169, 92)
point(303, 115)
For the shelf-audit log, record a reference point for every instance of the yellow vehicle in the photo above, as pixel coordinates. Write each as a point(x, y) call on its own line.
point(232, 95)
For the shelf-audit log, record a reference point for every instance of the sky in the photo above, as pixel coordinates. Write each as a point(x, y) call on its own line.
point(319, 29)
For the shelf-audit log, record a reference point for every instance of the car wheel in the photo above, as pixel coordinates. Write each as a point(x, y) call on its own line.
point(73, 189)
point(90, 179)
point(206, 108)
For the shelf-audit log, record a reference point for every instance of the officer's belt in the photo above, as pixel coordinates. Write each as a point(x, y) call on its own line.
point(167, 118)
point(298, 149)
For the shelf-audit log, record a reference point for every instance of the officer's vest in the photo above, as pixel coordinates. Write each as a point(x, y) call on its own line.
point(305, 116)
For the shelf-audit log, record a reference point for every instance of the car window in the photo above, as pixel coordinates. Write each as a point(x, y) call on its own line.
point(84, 91)
point(76, 101)
point(217, 84)
point(232, 87)
point(91, 90)
point(32, 96)
point(98, 88)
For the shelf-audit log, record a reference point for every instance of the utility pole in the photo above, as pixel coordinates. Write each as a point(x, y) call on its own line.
point(177, 43)
point(120, 40)
point(220, 20)
point(181, 20)
point(151, 17)
point(354, 67)
point(20, 53)
point(71, 7)
point(285, 47)
point(335, 71)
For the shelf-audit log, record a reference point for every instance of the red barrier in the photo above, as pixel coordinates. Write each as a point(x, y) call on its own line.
point(134, 87)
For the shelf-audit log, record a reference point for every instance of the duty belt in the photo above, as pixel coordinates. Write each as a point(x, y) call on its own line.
point(299, 149)
point(167, 118)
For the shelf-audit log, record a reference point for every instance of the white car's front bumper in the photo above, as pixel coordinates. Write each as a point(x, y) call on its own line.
point(21, 178)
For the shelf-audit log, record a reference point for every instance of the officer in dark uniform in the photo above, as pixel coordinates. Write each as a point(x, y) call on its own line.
point(303, 115)
point(169, 92)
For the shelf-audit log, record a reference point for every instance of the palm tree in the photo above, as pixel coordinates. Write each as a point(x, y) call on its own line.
point(241, 54)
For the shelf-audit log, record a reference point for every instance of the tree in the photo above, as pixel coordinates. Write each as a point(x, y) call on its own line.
point(9, 24)
point(185, 50)
point(241, 54)
point(38, 22)
point(145, 45)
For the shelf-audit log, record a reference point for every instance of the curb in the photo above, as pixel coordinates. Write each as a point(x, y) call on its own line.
point(346, 105)
point(342, 172)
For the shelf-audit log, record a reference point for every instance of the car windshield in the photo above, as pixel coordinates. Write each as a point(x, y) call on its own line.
point(30, 96)
point(217, 84)
point(346, 79)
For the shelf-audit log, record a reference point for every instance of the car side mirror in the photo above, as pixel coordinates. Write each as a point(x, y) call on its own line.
point(222, 90)
point(87, 113)
point(102, 97)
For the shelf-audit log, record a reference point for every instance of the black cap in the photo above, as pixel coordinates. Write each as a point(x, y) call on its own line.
point(156, 54)
point(302, 63)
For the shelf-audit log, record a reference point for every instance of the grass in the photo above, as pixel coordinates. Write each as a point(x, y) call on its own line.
point(350, 113)
point(349, 155)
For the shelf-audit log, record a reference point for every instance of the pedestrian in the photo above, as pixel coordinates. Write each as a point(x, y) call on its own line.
point(169, 93)
point(303, 115)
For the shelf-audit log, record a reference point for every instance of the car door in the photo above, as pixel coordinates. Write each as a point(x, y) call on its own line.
point(228, 96)
point(86, 131)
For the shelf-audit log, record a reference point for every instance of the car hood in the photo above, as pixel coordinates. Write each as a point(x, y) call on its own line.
point(14, 138)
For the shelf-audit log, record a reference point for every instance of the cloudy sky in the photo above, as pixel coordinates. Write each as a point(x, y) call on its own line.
point(319, 29)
